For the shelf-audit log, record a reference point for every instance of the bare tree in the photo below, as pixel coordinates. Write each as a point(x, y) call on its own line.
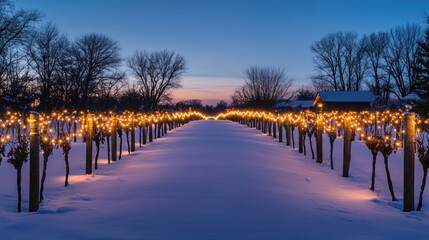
point(16, 88)
point(14, 24)
point(194, 104)
point(14, 28)
point(64, 83)
point(400, 57)
point(157, 74)
point(45, 50)
point(378, 80)
point(340, 62)
point(263, 88)
point(95, 60)
point(305, 93)
point(130, 99)
point(109, 91)
point(326, 64)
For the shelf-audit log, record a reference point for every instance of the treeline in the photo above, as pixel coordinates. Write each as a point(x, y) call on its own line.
point(386, 63)
point(41, 68)
point(391, 64)
point(197, 105)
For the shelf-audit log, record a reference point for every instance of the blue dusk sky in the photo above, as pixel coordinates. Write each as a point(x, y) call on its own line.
point(219, 39)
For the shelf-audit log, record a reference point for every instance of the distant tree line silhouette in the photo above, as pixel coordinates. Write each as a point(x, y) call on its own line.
point(386, 63)
point(41, 68)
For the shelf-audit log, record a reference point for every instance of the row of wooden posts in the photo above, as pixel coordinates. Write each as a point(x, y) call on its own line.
point(35, 147)
point(270, 127)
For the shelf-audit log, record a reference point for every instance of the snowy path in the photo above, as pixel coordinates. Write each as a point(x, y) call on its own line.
point(213, 180)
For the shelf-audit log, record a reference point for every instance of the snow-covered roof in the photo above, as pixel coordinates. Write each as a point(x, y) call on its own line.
point(337, 96)
point(411, 97)
point(295, 104)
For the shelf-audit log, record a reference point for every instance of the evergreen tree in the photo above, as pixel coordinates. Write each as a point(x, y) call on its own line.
point(422, 70)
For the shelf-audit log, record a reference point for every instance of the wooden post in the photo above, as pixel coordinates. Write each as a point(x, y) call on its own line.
point(144, 133)
point(347, 147)
point(409, 151)
point(279, 126)
point(133, 134)
point(274, 124)
point(34, 162)
point(150, 132)
point(90, 131)
point(159, 129)
point(58, 127)
point(263, 129)
point(75, 130)
point(300, 138)
point(319, 139)
point(287, 128)
point(114, 149)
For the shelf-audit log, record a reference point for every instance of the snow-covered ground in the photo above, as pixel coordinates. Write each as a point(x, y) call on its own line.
point(214, 180)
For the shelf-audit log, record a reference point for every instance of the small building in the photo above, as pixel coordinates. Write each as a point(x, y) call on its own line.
point(345, 101)
point(298, 105)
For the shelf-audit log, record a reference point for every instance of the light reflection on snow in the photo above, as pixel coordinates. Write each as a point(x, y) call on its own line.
point(74, 178)
point(355, 194)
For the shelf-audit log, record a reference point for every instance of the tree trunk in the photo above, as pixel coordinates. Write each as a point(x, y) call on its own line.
point(389, 180)
point(66, 159)
point(374, 161)
point(422, 188)
point(42, 185)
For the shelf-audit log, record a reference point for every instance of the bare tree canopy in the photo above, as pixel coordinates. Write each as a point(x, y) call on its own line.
point(45, 51)
point(157, 74)
point(263, 88)
point(339, 61)
point(384, 61)
point(95, 62)
point(14, 24)
point(401, 57)
point(378, 80)
point(14, 28)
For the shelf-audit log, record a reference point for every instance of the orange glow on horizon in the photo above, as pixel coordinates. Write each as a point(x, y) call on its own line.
point(210, 90)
